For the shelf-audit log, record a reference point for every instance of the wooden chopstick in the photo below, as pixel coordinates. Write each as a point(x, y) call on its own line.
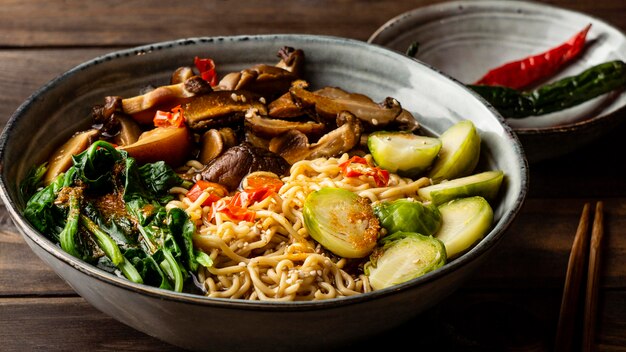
point(593, 278)
point(566, 334)
point(571, 292)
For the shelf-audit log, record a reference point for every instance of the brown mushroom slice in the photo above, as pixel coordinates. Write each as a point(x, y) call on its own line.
point(129, 131)
point(181, 74)
point(229, 136)
point(266, 80)
point(143, 107)
point(294, 145)
point(268, 128)
point(61, 159)
point(327, 108)
point(236, 162)
point(291, 60)
point(406, 122)
point(215, 142)
point(255, 140)
point(284, 107)
point(220, 108)
point(170, 144)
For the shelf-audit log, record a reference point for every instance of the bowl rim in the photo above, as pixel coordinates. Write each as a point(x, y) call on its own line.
point(32, 234)
point(400, 20)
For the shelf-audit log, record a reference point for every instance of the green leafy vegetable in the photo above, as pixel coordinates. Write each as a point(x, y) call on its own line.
point(130, 231)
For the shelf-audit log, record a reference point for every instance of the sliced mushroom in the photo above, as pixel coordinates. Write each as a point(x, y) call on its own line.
point(291, 60)
point(181, 74)
point(265, 80)
point(215, 142)
point(220, 108)
point(235, 163)
point(365, 109)
point(256, 141)
point(284, 108)
point(268, 128)
point(143, 107)
point(129, 131)
point(61, 159)
point(294, 145)
point(406, 122)
point(170, 144)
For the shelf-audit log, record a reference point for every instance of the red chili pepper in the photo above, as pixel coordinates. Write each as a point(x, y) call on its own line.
point(215, 190)
point(174, 118)
point(207, 70)
point(522, 73)
point(357, 166)
point(235, 208)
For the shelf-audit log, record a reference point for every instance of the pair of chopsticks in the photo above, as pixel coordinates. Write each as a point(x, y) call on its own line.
point(577, 267)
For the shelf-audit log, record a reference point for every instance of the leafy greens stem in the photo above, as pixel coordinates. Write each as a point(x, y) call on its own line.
point(67, 238)
point(105, 242)
point(172, 268)
point(130, 272)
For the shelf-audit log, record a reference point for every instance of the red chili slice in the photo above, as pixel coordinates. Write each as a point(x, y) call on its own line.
point(357, 166)
point(207, 70)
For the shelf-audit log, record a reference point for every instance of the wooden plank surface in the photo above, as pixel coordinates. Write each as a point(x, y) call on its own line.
point(41, 39)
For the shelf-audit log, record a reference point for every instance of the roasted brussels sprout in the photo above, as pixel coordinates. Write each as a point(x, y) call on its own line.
point(341, 221)
point(405, 215)
point(403, 257)
point(404, 153)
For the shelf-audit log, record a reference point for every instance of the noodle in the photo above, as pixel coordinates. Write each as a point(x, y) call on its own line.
point(273, 258)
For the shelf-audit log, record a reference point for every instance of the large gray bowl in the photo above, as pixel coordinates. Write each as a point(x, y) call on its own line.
point(199, 323)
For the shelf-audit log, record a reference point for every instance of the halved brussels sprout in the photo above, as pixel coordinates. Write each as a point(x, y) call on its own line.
point(465, 222)
point(341, 221)
point(405, 215)
point(403, 257)
point(485, 184)
point(459, 152)
point(404, 153)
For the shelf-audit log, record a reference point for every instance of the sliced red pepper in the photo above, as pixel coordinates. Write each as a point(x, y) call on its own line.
point(523, 73)
point(172, 118)
point(215, 190)
point(235, 208)
point(357, 166)
point(207, 70)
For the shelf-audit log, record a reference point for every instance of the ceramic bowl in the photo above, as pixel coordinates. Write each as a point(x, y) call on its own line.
point(465, 39)
point(199, 323)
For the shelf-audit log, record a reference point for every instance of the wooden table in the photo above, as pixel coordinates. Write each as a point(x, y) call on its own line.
point(513, 300)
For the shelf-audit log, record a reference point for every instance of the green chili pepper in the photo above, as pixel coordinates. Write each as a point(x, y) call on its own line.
point(556, 96)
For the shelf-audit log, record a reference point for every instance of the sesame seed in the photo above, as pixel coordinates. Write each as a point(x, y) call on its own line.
point(262, 100)
point(243, 98)
point(374, 122)
point(233, 97)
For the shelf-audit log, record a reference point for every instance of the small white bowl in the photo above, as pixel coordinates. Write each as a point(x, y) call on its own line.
point(465, 39)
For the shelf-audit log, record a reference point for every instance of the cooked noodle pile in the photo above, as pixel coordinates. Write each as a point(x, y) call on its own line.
point(274, 258)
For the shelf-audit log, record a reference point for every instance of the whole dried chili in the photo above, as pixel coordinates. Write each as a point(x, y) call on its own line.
point(523, 73)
